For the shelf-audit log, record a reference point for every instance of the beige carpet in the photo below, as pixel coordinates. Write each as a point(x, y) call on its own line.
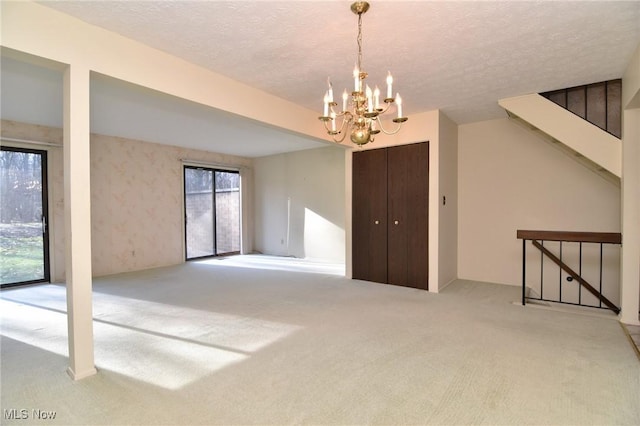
point(229, 342)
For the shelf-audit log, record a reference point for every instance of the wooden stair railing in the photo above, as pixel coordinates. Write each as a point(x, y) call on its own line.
point(576, 277)
point(565, 236)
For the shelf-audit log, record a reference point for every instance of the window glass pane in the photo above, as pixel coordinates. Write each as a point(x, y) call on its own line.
point(22, 239)
point(212, 208)
point(227, 212)
point(198, 185)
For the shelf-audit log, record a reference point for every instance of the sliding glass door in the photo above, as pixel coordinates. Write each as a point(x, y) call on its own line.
point(212, 212)
point(24, 236)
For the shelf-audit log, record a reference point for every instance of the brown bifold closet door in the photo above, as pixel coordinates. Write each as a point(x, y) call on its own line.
point(369, 228)
point(390, 215)
point(408, 196)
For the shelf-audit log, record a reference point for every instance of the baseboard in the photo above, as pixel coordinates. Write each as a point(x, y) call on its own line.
point(446, 285)
point(83, 375)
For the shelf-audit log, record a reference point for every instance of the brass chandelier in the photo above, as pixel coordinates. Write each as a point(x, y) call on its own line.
point(362, 121)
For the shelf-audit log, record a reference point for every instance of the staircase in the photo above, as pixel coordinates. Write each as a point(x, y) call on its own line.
point(598, 103)
point(583, 121)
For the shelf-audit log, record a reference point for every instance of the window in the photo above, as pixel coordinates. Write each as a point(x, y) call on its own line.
point(24, 236)
point(212, 212)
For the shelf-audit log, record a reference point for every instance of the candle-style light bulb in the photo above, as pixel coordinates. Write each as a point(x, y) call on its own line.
point(333, 121)
point(389, 85)
point(326, 105)
point(369, 99)
point(330, 89)
point(356, 79)
point(399, 103)
point(376, 98)
point(345, 96)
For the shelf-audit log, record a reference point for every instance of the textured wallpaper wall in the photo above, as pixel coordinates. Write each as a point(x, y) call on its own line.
point(136, 202)
point(136, 199)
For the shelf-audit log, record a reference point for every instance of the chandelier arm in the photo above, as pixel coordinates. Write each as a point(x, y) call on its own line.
point(347, 117)
point(385, 108)
point(328, 128)
point(340, 140)
point(387, 132)
point(338, 114)
point(328, 119)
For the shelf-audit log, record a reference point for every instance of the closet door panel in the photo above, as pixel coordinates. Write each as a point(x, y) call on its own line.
point(418, 216)
point(398, 180)
point(369, 222)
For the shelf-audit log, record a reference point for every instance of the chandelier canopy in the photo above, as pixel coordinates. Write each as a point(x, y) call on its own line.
point(360, 117)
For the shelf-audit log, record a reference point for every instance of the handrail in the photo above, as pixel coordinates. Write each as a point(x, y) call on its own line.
point(575, 237)
point(538, 238)
point(576, 277)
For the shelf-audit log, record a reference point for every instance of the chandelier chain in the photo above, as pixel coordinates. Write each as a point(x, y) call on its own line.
point(360, 41)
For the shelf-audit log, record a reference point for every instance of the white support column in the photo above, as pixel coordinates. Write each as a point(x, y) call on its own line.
point(246, 210)
point(630, 280)
point(77, 218)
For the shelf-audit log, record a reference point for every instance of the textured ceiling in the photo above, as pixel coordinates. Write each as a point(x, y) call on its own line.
point(458, 56)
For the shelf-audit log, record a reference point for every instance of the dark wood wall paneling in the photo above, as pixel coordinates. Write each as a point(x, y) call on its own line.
point(576, 101)
point(614, 107)
point(598, 103)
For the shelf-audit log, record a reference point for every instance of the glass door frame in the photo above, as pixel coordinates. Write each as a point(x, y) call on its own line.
point(213, 170)
point(45, 215)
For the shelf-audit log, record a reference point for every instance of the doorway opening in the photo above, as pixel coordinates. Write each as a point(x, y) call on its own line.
point(24, 234)
point(212, 212)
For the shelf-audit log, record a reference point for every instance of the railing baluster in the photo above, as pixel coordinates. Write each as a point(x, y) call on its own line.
point(580, 273)
point(538, 239)
point(600, 289)
point(560, 271)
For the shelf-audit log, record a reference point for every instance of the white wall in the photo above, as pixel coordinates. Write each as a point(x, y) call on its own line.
point(631, 192)
point(300, 204)
point(448, 201)
point(511, 179)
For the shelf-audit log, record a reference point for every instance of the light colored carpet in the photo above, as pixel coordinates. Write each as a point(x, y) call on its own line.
point(218, 343)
